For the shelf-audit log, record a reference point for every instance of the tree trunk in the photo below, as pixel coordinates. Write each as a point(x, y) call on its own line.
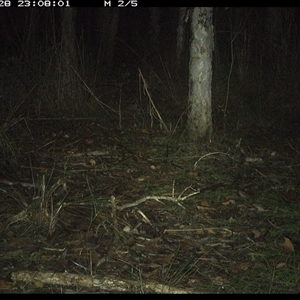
point(200, 74)
point(111, 41)
point(180, 35)
point(69, 96)
point(108, 22)
point(155, 15)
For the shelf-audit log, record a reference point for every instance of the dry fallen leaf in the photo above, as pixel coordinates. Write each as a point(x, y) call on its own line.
point(89, 142)
point(242, 267)
point(140, 159)
point(227, 202)
point(204, 203)
point(258, 207)
point(256, 233)
point(205, 208)
point(143, 178)
point(193, 174)
point(220, 280)
point(145, 131)
point(198, 231)
point(211, 231)
point(164, 259)
point(150, 274)
point(5, 285)
point(92, 162)
point(287, 246)
point(280, 265)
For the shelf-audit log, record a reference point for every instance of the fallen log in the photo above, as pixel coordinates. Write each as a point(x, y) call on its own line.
point(104, 284)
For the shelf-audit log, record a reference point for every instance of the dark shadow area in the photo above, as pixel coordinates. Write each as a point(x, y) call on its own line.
point(98, 178)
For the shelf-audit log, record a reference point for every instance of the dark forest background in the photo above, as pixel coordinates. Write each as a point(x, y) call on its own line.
point(255, 67)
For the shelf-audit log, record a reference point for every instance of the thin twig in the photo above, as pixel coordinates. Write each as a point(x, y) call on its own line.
point(115, 220)
point(209, 154)
point(176, 200)
point(152, 103)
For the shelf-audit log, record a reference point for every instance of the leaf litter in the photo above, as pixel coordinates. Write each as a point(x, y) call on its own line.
point(109, 208)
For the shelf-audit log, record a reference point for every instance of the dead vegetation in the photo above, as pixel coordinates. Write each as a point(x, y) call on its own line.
point(94, 208)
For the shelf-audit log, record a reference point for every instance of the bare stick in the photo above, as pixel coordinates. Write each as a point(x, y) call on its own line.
point(152, 103)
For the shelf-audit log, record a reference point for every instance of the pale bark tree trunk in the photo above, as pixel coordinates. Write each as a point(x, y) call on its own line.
point(200, 74)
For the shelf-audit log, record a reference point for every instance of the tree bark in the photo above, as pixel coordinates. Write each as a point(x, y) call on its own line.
point(155, 16)
point(180, 35)
point(105, 284)
point(200, 74)
point(70, 94)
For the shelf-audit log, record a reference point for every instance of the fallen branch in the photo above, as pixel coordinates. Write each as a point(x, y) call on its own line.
point(106, 283)
point(176, 200)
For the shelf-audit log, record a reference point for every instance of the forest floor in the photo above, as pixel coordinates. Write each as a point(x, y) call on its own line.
point(94, 208)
